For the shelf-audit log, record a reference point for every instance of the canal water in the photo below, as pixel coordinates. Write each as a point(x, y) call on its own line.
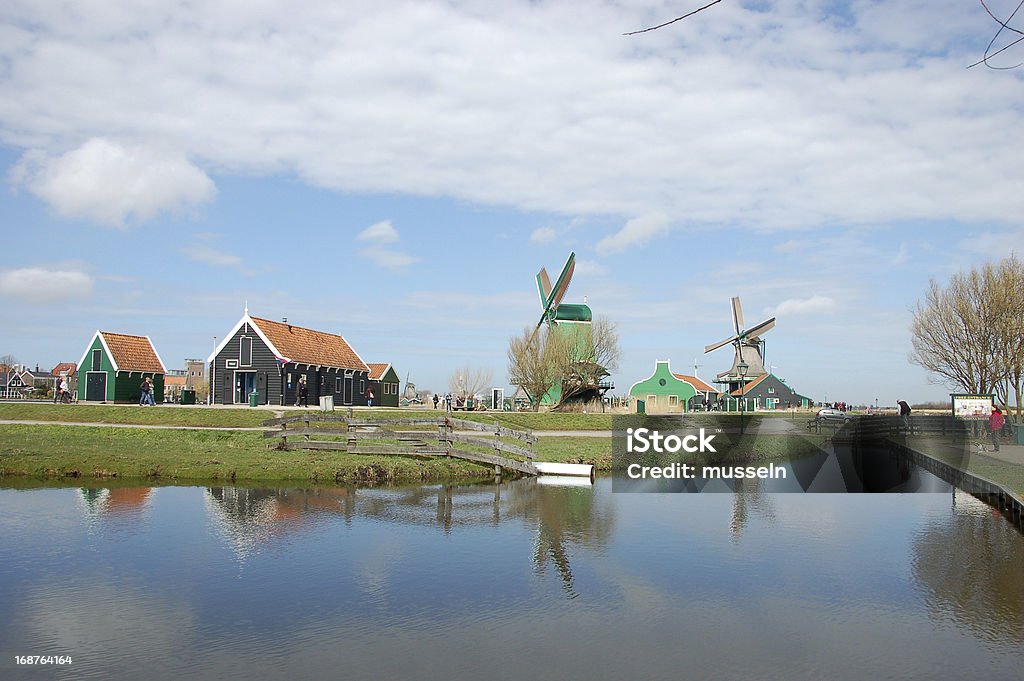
point(517, 581)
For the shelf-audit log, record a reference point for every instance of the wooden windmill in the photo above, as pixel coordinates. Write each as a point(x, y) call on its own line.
point(572, 322)
point(747, 343)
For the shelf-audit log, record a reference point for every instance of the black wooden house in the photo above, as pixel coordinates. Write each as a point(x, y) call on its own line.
point(269, 358)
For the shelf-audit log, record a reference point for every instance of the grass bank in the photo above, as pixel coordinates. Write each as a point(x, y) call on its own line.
point(70, 452)
point(1008, 475)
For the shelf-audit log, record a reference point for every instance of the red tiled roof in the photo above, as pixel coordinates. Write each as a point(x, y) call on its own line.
point(307, 346)
point(69, 367)
point(696, 383)
point(748, 386)
point(377, 371)
point(133, 353)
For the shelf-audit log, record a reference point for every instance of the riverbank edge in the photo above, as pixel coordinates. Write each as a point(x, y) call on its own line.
point(991, 492)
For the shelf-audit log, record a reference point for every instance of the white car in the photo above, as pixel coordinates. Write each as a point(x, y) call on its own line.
point(831, 415)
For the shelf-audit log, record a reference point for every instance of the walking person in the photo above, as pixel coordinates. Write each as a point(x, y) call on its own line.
point(995, 426)
point(301, 392)
point(62, 389)
point(905, 416)
point(146, 398)
point(436, 400)
point(369, 398)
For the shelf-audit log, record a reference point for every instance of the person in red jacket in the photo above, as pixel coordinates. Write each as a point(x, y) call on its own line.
point(995, 425)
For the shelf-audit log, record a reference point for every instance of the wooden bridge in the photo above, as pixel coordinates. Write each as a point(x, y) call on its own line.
point(487, 444)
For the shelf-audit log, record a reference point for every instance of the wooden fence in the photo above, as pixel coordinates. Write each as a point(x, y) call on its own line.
point(421, 437)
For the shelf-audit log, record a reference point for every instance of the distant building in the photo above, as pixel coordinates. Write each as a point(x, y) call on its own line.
point(195, 374)
point(174, 383)
point(114, 366)
point(67, 371)
point(768, 391)
point(270, 357)
point(384, 384)
point(664, 392)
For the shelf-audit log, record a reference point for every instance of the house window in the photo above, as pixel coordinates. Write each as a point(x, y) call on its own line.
point(96, 359)
point(673, 400)
point(362, 386)
point(245, 351)
point(337, 384)
point(771, 391)
point(652, 400)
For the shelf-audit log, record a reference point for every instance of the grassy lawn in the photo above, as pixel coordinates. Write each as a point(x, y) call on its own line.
point(61, 452)
point(154, 416)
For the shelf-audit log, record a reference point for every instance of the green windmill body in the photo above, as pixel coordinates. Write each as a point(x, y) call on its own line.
point(572, 321)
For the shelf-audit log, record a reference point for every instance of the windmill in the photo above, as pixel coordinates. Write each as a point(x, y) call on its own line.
point(747, 343)
point(572, 322)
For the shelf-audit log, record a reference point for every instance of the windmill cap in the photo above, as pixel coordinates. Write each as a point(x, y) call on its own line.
point(573, 312)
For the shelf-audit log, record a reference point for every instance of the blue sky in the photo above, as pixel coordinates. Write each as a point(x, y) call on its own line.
point(398, 172)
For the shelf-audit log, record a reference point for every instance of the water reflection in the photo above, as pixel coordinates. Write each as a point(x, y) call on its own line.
point(969, 565)
point(114, 503)
point(437, 582)
point(564, 517)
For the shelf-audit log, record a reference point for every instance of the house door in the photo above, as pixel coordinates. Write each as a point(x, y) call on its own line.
point(245, 383)
point(347, 397)
point(96, 386)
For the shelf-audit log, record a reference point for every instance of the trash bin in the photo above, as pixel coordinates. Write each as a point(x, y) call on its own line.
point(641, 407)
point(254, 398)
point(1018, 434)
point(188, 396)
point(327, 403)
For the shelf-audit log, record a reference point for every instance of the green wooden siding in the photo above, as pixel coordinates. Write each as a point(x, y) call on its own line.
point(122, 386)
point(389, 397)
point(105, 365)
point(662, 385)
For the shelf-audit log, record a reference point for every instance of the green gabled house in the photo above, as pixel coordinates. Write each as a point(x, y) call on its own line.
point(384, 384)
point(114, 365)
point(664, 392)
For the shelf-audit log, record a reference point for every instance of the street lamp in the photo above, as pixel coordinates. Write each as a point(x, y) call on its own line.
point(741, 368)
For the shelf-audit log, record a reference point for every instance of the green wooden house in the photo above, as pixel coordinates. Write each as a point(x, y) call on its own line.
point(664, 392)
point(114, 365)
point(384, 384)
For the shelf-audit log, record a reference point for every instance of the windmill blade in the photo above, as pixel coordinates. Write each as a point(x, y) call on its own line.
point(761, 328)
point(715, 346)
point(562, 285)
point(737, 315)
point(544, 287)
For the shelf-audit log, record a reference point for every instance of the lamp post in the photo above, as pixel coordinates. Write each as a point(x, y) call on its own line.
point(742, 369)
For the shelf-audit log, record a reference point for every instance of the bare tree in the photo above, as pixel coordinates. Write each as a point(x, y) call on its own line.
point(534, 362)
point(970, 333)
point(589, 359)
point(577, 358)
point(469, 381)
point(8, 361)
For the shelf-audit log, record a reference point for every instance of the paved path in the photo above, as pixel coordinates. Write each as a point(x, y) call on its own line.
point(13, 422)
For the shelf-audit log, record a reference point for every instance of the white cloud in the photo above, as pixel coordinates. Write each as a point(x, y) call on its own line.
point(791, 117)
point(394, 260)
point(379, 233)
point(110, 183)
point(635, 232)
point(542, 235)
point(203, 249)
point(587, 268)
point(800, 306)
point(39, 285)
